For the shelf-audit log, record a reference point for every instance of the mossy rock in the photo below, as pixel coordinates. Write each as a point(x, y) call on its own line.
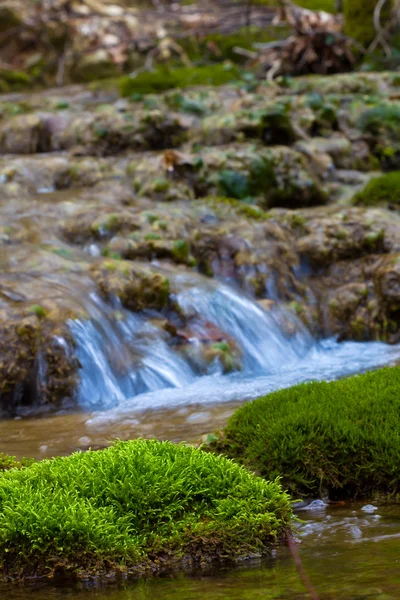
point(161, 79)
point(137, 287)
point(383, 190)
point(138, 507)
point(339, 437)
point(24, 340)
point(381, 123)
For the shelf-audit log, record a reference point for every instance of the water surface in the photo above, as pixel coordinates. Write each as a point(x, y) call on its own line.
point(347, 553)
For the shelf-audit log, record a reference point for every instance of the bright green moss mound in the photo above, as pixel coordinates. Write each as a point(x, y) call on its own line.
point(380, 190)
point(161, 79)
point(139, 507)
point(342, 437)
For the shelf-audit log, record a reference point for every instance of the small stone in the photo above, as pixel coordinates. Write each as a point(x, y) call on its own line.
point(369, 508)
point(84, 441)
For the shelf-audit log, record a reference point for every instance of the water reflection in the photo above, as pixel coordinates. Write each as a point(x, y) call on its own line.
point(337, 567)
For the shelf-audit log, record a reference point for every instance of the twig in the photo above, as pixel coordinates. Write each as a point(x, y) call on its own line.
point(244, 52)
point(381, 32)
point(299, 567)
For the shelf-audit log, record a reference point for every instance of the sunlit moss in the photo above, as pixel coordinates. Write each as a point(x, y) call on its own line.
point(139, 506)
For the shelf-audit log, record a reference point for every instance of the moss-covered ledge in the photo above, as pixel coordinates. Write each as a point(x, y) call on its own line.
point(340, 438)
point(136, 508)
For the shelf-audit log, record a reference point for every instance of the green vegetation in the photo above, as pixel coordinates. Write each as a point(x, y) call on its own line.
point(250, 211)
point(340, 437)
point(37, 310)
point(14, 81)
point(124, 508)
point(9, 462)
point(328, 5)
point(162, 79)
point(380, 190)
point(219, 46)
point(359, 19)
point(383, 117)
point(259, 179)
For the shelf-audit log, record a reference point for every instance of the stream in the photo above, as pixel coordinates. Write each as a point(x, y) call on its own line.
point(348, 552)
point(134, 385)
point(107, 362)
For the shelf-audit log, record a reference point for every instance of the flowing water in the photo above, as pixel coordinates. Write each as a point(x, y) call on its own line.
point(348, 553)
point(134, 384)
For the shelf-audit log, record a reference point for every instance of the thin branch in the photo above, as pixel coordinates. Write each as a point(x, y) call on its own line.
point(300, 569)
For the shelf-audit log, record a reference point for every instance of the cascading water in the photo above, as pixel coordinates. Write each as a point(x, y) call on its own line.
point(123, 357)
point(128, 365)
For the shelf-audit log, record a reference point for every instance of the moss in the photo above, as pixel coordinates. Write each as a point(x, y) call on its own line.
point(380, 190)
point(234, 184)
point(162, 79)
point(359, 15)
point(37, 310)
point(180, 250)
point(161, 184)
point(138, 288)
point(14, 80)
point(125, 508)
point(384, 116)
point(179, 101)
point(9, 462)
point(339, 437)
point(219, 46)
point(327, 5)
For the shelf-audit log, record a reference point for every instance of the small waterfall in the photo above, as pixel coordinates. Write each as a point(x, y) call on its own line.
point(128, 364)
point(122, 355)
point(258, 333)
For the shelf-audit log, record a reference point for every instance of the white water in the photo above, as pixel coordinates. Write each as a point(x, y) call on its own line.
point(127, 364)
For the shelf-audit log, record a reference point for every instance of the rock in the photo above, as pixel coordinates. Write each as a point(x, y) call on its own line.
point(344, 235)
point(37, 364)
point(24, 134)
point(137, 287)
point(9, 18)
point(93, 66)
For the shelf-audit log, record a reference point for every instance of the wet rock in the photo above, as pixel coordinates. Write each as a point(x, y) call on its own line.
point(387, 278)
point(24, 134)
point(343, 235)
point(277, 176)
point(110, 132)
point(37, 366)
point(137, 287)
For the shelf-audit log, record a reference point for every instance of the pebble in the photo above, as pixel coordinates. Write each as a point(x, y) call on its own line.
point(84, 441)
point(316, 505)
point(369, 508)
